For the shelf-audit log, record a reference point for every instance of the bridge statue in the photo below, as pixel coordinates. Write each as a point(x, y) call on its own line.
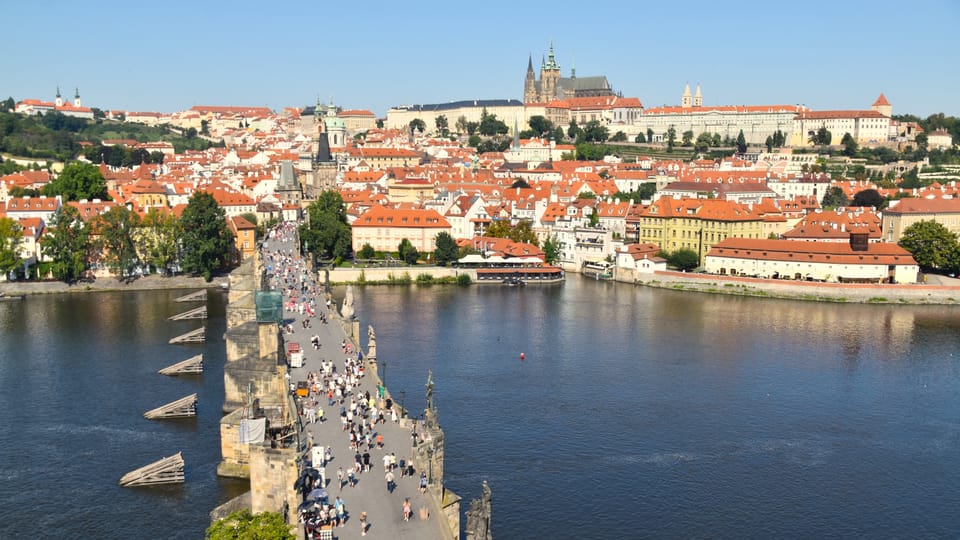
point(347, 311)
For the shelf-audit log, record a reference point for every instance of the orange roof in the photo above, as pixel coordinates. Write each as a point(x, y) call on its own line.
point(824, 115)
point(880, 253)
point(881, 101)
point(381, 216)
point(925, 206)
point(355, 112)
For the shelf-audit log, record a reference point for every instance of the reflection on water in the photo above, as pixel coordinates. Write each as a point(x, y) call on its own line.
point(652, 413)
point(76, 374)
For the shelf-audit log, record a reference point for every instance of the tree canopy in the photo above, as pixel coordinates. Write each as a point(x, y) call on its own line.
point(117, 230)
point(417, 124)
point(408, 252)
point(206, 240)
point(326, 232)
point(244, 525)
point(869, 197)
point(11, 235)
point(159, 233)
point(834, 197)
point(933, 246)
point(78, 181)
point(446, 251)
point(490, 125)
point(521, 232)
point(68, 244)
point(684, 259)
point(551, 250)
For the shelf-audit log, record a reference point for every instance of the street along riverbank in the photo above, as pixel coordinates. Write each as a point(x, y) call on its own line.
point(145, 283)
point(947, 293)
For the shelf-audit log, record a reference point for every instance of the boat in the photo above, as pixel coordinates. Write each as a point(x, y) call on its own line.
point(513, 281)
point(598, 270)
point(5, 297)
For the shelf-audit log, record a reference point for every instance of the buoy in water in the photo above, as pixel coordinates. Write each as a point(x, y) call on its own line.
point(522, 357)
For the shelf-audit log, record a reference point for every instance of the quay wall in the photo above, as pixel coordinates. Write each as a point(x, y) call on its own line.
point(386, 275)
point(796, 290)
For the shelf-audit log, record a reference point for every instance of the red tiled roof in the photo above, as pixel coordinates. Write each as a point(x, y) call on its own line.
point(815, 252)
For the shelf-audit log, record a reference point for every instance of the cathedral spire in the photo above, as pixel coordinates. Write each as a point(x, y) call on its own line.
point(530, 64)
point(573, 68)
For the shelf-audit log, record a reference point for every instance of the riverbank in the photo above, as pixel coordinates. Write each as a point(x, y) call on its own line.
point(145, 283)
point(945, 292)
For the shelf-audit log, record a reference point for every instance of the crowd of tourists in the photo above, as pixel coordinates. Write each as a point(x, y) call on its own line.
point(333, 389)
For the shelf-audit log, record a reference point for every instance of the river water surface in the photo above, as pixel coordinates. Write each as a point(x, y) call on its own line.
point(636, 413)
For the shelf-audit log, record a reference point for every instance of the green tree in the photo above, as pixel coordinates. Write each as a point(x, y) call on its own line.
point(640, 139)
point(243, 525)
point(687, 138)
point(367, 252)
point(869, 197)
point(472, 128)
point(158, 240)
point(474, 141)
point(551, 250)
point(834, 197)
point(118, 228)
point(379, 123)
point(849, 145)
point(78, 181)
point(447, 250)
point(490, 125)
point(779, 139)
point(595, 132)
point(8, 105)
point(540, 125)
point(521, 232)
point(11, 235)
point(461, 124)
point(741, 143)
point(671, 138)
point(573, 131)
point(704, 140)
point(326, 232)
point(417, 124)
point(558, 133)
point(191, 133)
point(822, 137)
point(769, 143)
point(933, 246)
point(684, 259)
point(442, 126)
point(408, 253)
point(650, 135)
point(204, 127)
point(619, 137)
point(205, 239)
point(68, 244)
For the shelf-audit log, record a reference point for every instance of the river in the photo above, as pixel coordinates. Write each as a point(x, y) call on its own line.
point(636, 413)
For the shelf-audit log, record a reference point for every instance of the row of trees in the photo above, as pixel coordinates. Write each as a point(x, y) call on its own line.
point(199, 241)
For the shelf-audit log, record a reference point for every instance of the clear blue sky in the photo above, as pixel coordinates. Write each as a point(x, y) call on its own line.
point(168, 56)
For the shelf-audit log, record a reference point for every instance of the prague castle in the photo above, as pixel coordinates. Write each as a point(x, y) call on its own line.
point(552, 86)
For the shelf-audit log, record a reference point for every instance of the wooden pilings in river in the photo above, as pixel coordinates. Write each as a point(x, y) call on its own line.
point(194, 336)
point(199, 296)
point(195, 313)
point(182, 408)
point(168, 470)
point(190, 366)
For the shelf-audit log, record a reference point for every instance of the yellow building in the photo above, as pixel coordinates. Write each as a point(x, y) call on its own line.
point(697, 224)
point(909, 211)
point(244, 238)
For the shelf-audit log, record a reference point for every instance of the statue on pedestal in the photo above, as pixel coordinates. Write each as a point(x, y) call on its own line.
point(371, 343)
point(479, 516)
point(347, 311)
